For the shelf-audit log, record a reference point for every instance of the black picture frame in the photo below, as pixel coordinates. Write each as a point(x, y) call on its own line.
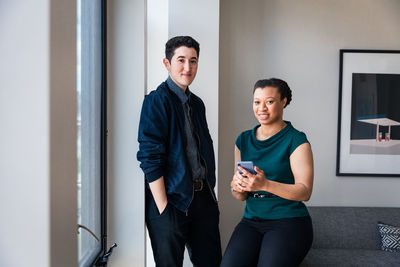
point(367, 145)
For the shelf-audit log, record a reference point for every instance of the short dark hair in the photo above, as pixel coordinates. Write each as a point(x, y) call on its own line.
point(281, 85)
point(179, 41)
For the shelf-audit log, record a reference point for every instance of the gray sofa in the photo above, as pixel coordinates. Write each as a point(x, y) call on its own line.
point(348, 236)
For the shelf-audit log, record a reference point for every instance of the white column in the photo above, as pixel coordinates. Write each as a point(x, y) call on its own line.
point(38, 133)
point(157, 36)
point(126, 89)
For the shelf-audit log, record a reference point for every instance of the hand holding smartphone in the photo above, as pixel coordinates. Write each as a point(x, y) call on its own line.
point(247, 165)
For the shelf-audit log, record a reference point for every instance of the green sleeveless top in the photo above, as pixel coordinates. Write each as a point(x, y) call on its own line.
point(272, 156)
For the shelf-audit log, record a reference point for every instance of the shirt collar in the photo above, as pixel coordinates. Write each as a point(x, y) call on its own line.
point(183, 96)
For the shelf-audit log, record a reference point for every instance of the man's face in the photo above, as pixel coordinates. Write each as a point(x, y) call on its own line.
point(183, 66)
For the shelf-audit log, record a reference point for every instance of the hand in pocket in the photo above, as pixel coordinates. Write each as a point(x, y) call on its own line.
point(163, 208)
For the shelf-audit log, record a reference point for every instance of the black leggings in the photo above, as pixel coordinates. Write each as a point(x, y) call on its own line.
point(256, 242)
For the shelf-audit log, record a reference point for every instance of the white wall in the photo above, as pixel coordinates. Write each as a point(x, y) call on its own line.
point(24, 108)
point(38, 133)
point(299, 41)
point(156, 37)
point(126, 89)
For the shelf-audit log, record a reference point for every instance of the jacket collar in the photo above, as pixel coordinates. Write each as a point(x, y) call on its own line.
point(183, 96)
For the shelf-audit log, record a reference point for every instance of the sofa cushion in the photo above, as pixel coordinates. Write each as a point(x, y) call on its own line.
point(350, 257)
point(350, 227)
point(390, 237)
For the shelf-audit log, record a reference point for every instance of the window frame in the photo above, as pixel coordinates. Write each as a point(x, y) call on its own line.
point(103, 135)
point(97, 260)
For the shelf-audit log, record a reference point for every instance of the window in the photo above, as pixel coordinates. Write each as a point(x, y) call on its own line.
point(91, 141)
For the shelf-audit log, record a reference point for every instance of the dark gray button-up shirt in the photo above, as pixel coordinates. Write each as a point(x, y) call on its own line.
point(192, 150)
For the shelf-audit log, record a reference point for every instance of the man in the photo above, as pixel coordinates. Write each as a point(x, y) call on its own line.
point(177, 157)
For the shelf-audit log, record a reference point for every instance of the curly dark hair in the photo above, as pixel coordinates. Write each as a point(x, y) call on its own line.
point(281, 85)
point(179, 41)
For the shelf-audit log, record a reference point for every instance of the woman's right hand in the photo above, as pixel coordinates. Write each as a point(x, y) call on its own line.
point(237, 178)
point(238, 191)
point(236, 182)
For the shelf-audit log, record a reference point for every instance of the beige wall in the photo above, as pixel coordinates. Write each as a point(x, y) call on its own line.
point(299, 41)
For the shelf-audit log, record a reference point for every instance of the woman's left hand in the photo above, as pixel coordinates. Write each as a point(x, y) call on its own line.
point(254, 182)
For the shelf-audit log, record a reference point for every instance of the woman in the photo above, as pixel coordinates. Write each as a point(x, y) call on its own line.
point(276, 229)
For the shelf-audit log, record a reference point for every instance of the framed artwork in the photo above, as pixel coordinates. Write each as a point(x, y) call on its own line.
point(369, 113)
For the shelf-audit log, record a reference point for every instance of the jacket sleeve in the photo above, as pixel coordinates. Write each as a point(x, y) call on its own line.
point(152, 137)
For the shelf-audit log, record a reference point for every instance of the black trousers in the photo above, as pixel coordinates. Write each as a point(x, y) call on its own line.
point(173, 229)
point(269, 243)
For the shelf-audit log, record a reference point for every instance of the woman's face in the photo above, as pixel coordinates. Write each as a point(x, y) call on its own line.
point(267, 105)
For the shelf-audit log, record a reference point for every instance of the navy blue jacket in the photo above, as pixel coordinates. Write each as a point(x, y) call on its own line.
point(162, 144)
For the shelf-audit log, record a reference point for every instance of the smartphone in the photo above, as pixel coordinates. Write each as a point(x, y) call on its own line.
point(247, 165)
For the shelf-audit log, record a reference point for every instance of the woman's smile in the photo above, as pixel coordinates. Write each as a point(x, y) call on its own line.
point(263, 116)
